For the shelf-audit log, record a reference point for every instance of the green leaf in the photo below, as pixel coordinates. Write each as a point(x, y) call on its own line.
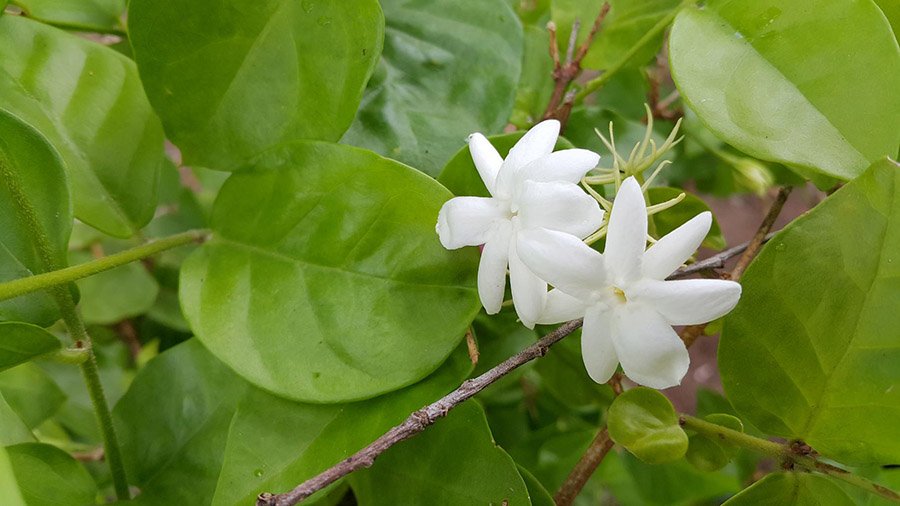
point(779, 79)
point(891, 10)
point(792, 489)
point(12, 429)
point(536, 492)
point(34, 212)
point(645, 423)
point(112, 296)
point(48, 476)
point(455, 460)
point(31, 393)
point(82, 15)
point(21, 342)
point(321, 255)
point(818, 315)
point(708, 454)
point(678, 482)
point(460, 175)
point(446, 71)
point(672, 218)
point(88, 101)
point(211, 437)
point(536, 82)
point(626, 22)
point(231, 78)
point(8, 484)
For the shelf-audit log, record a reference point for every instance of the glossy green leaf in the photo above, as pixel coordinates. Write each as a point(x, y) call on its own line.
point(446, 71)
point(82, 15)
point(88, 101)
point(818, 315)
point(792, 489)
point(710, 454)
point(644, 422)
point(780, 80)
point(34, 210)
point(31, 393)
point(12, 429)
point(209, 437)
point(321, 254)
point(48, 476)
point(460, 175)
point(456, 460)
point(624, 25)
point(672, 218)
point(112, 296)
point(231, 78)
point(21, 342)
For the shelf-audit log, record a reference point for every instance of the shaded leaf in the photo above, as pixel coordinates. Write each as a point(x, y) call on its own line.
point(48, 476)
point(21, 342)
point(84, 15)
point(31, 393)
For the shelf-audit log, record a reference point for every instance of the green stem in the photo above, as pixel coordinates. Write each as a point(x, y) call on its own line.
point(598, 82)
point(45, 280)
point(784, 454)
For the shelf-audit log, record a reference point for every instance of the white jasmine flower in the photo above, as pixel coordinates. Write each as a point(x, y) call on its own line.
point(533, 188)
point(628, 307)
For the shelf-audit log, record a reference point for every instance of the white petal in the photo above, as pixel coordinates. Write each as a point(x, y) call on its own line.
point(487, 160)
point(559, 206)
point(467, 221)
point(627, 235)
point(597, 349)
point(492, 269)
point(688, 301)
point(674, 248)
point(566, 165)
point(561, 307)
point(537, 142)
point(562, 260)
point(651, 352)
point(529, 292)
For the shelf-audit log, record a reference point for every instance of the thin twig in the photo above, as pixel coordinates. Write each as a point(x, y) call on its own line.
point(716, 261)
point(417, 421)
point(584, 469)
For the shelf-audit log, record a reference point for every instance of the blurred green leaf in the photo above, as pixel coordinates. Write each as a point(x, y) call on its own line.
point(536, 491)
point(779, 80)
point(447, 71)
point(21, 342)
point(209, 437)
point(114, 295)
point(673, 217)
point(456, 460)
point(536, 81)
point(48, 476)
point(792, 489)
point(645, 423)
point(12, 429)
point(339, 242)
point(8, 483)
point(31, 393)
point(82, 15)
point(231, 78)
point(89, 103)
point(818, 315)
point(678, 483)
point(708, 454)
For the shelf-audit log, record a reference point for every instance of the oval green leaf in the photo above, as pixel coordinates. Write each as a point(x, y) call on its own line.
point(231, 78)
point(35, 216)
point(711, 454)
point(88, 101)
point(21, 342)
point(819, 316)
point(645, 423)
point(780, 80)
point(48, 476)
point(212, 438)
point(83, 15)
point(446, 71)
point(472, 470)
point(325, 280)
point(792, 489)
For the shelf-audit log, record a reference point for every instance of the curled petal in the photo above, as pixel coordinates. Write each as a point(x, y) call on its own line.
point(468, 221)
point(562, 260)
point(487, 160)
point(529, 292)
point(651, 352)
point(561, 307)
point(492, 269)
point(674, 248)
point(688, 301)
point(568, 165)
point(537, 142)
point(627, 234)
point(559, 206)
point(597, 349)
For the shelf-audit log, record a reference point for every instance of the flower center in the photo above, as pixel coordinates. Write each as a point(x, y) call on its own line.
point(620, 294)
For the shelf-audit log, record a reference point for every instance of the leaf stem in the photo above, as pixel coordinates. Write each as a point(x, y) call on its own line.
point(785, 454)
point(23, 286)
